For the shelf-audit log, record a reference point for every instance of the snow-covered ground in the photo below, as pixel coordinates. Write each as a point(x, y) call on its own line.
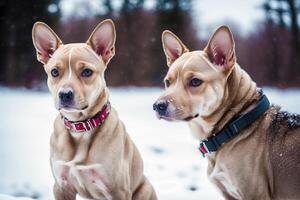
point(172, 161)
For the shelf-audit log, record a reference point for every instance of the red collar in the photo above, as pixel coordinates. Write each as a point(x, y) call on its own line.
point(89, 124)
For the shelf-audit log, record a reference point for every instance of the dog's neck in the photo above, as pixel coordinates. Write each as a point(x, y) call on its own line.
point(98, 106)
point(240, 94)
point(83, 140)
point(100, 102)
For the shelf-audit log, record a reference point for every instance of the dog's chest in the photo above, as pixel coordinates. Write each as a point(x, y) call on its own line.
point(87, 180)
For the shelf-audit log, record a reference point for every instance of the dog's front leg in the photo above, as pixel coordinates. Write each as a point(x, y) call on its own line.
point(145, 192)
point(221, 189)
point(228, 197)
point(63, 193)
point(121, 194)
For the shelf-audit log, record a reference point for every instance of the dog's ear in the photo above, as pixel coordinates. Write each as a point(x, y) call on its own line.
point(173, 46)
point(221, 49)
point(45, 41)
point(102, 40)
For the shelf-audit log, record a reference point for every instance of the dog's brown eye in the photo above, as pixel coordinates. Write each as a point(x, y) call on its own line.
point(195, 82)
point(54, 73)
point(86, 73)
point(167, 82)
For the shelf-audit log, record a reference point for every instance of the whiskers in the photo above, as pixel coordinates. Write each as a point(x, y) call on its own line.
point(179, 112)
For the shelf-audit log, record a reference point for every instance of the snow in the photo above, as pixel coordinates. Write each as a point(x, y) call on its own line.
point(172, 161)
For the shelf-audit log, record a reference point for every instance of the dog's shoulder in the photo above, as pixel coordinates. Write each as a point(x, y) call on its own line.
point(284, 151)
point(59, 134)
point(289, 120)
point(284, 128)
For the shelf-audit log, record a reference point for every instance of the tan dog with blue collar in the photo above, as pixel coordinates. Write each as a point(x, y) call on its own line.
point(208, 89)
point(91, 153)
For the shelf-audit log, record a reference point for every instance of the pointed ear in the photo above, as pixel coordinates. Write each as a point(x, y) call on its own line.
point(45, 41)
point(173, 46)
point(221, 49)
point(102, 40)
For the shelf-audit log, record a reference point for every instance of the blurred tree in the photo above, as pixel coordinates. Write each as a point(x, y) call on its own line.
point(131, 43)
point(131, 5)
point(293, 14)
point(171, 11)
point(270, 37)
point(108, 5)
point(276, 13)
point(173, 15)
point(18, 66)
point(139, 56)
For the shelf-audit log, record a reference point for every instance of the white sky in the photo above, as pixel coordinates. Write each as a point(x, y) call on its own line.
point(206, 13)
point(212, 13)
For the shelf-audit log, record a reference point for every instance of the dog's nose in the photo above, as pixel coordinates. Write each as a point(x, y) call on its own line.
point(66, 96)
point(161, 107)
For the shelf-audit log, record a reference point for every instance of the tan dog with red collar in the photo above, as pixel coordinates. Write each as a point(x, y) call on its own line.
point(93, 156)
point(208, 89)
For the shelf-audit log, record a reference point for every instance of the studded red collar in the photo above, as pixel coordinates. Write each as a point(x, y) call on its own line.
point(89, 124)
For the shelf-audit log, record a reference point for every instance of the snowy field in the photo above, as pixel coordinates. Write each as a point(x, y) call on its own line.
point(172, 161)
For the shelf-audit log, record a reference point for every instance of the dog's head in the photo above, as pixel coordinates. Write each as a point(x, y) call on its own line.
point(76, 70)
point(196, 80)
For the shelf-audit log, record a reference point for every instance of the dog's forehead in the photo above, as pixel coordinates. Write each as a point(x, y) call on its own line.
point(195, 61)
point(74, 52)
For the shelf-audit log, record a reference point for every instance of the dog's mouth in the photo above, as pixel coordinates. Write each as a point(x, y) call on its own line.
point(72, 109)
point(191, 117)
point(167, 118)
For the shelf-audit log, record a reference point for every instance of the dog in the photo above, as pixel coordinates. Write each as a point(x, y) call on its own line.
point(91, 153)
point(252, 147)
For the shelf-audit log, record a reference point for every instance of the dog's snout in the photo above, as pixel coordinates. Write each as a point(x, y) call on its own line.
point(66, 96)
point(160, 107)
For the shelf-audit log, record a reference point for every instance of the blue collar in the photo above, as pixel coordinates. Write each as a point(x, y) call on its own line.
point(232, 129)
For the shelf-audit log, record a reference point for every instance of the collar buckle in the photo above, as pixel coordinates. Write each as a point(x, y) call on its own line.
point(203, 148)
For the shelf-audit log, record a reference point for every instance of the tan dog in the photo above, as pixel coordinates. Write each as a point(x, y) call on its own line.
point(208, 89)
point(91, 153)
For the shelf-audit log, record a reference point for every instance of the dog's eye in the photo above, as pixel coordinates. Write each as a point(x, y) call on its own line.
point(86, 73)
point(54, 73)
point(195, 82)
point(167, 82)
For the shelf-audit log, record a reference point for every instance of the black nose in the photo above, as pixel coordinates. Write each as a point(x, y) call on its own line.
point(66, 97)
point(160, 107)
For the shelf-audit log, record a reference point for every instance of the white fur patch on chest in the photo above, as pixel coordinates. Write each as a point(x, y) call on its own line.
point(88, 178)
